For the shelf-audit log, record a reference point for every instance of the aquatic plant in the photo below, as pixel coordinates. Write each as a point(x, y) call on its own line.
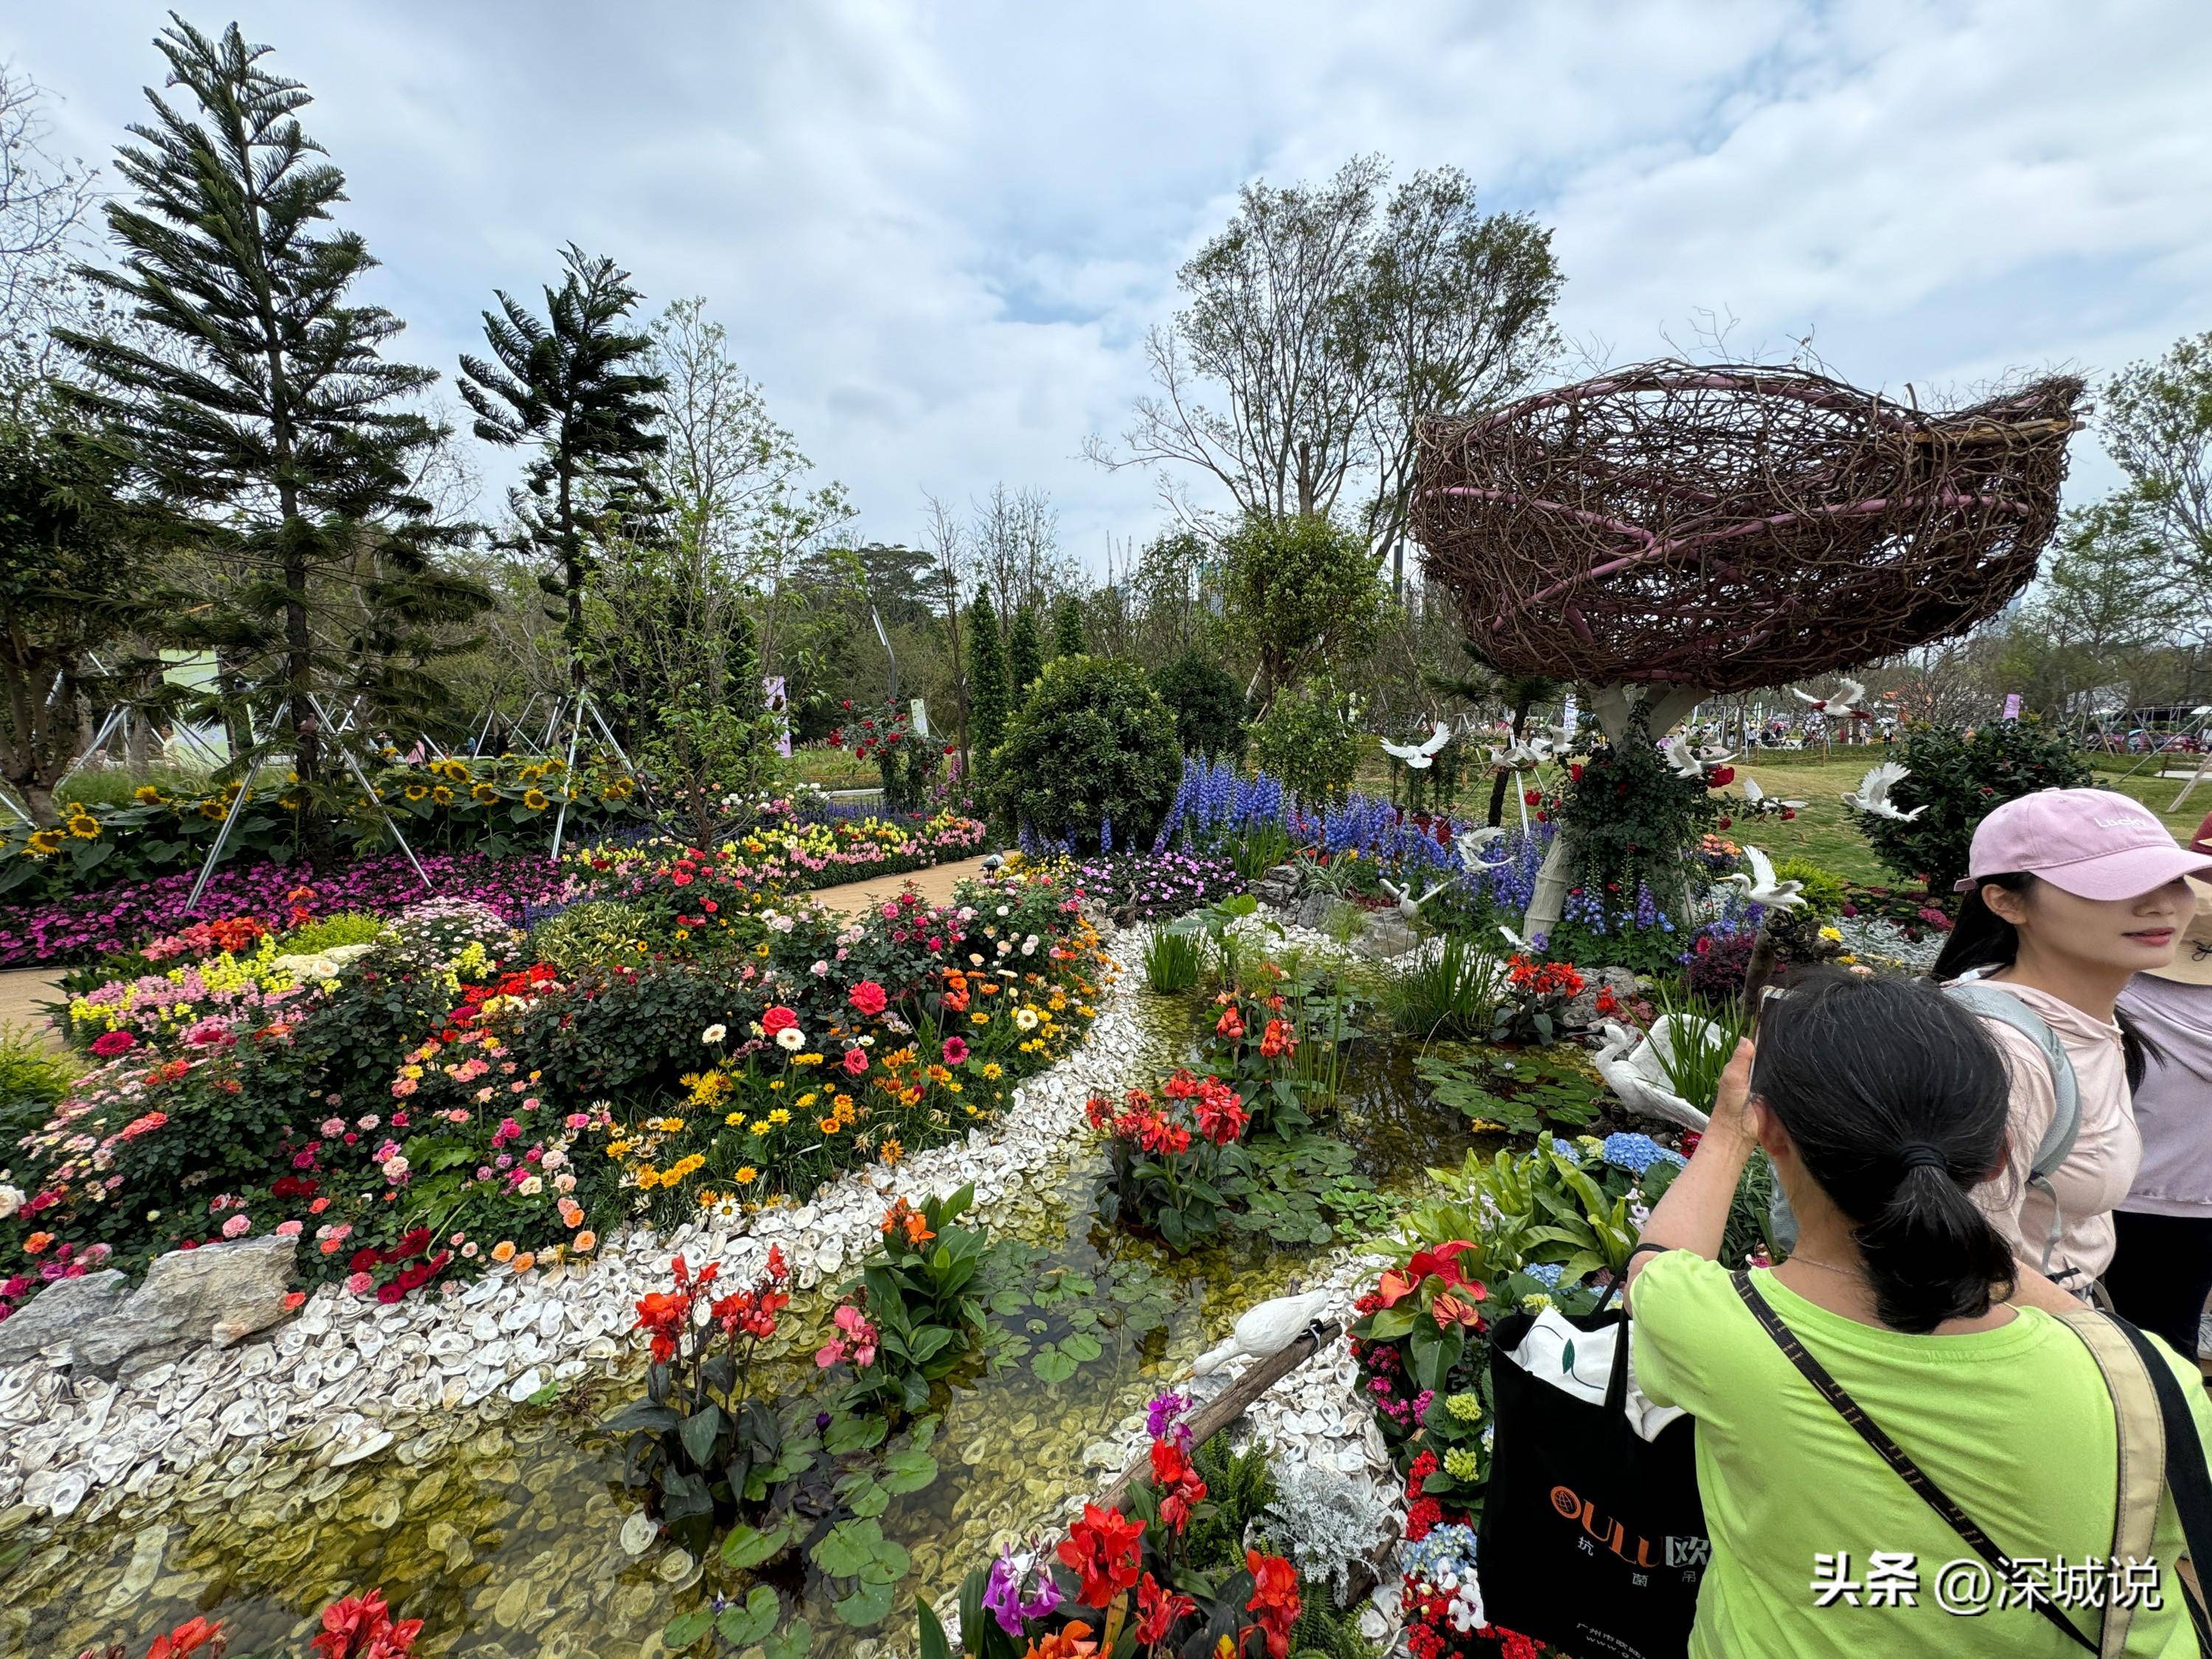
point(1168, 1156)
point(913, 1316)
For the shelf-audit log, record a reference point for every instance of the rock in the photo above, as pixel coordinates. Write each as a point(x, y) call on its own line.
point(219, 1294)
point(1386, 935)
point(1278, 887)
point(1316, 910)
point(1581, 1012)
point(52, 1321)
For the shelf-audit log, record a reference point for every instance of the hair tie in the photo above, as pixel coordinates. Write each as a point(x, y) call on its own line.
point(1923, 1155)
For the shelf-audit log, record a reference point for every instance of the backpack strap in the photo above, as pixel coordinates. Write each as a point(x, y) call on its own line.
point(2140, 1430)
point(2186, 1477)
point(1893, 1455)
point(1988, 1002)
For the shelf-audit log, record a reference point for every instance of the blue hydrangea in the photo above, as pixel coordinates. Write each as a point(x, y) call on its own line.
point(1546, 1273)
point(1447, 1551)
point(1637, 1153)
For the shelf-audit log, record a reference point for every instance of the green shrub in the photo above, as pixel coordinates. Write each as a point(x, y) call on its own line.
point(1305, 740)
point(1208, 708)
point(1173, 962)
point(1822, 891)
point(327, 932)
point(33, 1077)
point(587, 934)
point(1961, 779)
point(1091, 744)
point(1452, 992)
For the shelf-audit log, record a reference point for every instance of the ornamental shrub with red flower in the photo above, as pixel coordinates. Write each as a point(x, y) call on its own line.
point(1167, 1161)
point(1101, 1549)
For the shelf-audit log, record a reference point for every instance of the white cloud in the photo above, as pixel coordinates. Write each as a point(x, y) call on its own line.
point(937, 233)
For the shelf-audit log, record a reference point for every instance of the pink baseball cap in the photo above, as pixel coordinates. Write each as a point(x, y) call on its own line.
point(2093, 843)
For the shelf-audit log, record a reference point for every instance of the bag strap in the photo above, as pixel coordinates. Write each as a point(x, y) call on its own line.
point(2140, 1428)
point(2187, 1478)
point(2059, 1134)
point(1893, 1455)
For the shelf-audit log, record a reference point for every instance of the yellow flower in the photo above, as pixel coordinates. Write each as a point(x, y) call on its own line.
point(979, 1019)
point(735, 1120)
point(892, 1151)
point(416, 791)
point(1833, 935)
point(42, 842)
point(993, 1071)
point(484, 794)
point(443, 796)
point(84, 826)
point(746, 1176)
point(760, 1128)
point(802, 1102)
point(147, 795)
point(535, 800)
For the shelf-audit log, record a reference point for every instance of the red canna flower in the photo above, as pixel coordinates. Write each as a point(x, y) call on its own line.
point(1274, 1598)
point(193, 1636)
point(1181, 1490)
point(362, 1627)
point(1159, 1611)
point(1102, 1550)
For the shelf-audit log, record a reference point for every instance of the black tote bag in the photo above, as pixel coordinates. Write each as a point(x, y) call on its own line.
point(1593, 1539)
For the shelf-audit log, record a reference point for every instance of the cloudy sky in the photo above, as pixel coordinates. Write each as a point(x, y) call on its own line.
point(937, 233)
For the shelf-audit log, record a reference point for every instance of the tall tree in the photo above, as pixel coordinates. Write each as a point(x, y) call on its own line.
point(43, 198)
point(988, 695)
point(2158, 425)
point(1067, 627)
point(948, 552)
point(1301, 595)
point(255, 389)
point(1328, 321)
point(1014, 545)
point(1024, 656)
point(578, 387)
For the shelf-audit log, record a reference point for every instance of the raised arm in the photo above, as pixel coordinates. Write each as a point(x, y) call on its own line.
point(1693, 1213)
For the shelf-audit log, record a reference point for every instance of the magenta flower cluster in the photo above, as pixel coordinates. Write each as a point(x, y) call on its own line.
point(87, 926)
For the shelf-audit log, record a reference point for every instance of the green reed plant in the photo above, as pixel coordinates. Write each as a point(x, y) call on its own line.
point(1453, 993)
point(1259, 848)
point(1173, 962)
point(1701, 1037)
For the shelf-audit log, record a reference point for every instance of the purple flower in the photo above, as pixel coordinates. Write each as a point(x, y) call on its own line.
point(1003, 1596)
point(1160, 1412)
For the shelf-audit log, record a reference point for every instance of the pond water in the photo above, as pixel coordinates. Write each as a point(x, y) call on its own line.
point(501, 1527)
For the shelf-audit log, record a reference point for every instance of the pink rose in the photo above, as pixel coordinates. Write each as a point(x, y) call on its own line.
point(359, 1284)
point(237, 1227)
point(287, 1229)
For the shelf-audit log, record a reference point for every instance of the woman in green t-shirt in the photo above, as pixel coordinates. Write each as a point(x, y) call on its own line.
point(1880, 1104)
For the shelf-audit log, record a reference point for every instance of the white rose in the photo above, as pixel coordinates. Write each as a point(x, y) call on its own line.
point(395, 1167)
point(11, 1200)
point(532, 1185)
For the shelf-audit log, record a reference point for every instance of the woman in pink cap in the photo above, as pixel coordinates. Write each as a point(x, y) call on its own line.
point(2161, 1272)
point(2070, 894)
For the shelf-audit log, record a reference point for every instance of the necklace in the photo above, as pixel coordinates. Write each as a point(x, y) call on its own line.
point(1848, 1272)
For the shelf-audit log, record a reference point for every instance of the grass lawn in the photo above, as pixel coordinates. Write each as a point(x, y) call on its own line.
point(1826, 832)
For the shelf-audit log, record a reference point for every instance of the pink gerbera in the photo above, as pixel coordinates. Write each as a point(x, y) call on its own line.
point(955, 1050)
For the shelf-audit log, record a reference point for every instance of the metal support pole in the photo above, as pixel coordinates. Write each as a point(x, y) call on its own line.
point(214, 852)
point(353, 765)
point(568, 774)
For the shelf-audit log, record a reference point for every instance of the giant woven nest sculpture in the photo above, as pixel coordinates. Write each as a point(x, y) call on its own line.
point(1726, 526)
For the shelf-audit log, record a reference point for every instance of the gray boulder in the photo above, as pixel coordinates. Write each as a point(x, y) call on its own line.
point(1385, 936)
point(219, 1294)
point(53, 1319)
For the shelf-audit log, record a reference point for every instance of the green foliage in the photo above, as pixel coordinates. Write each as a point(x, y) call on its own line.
point(1702, 1036)
point(1173, 961)
point(1239, 1486)
point(1058, 1318)
point(1208, 708)
point(987, 694)
point(923, 1299)
point(1822, 891)
point(1302, 595)
point(1305, 739)
point(1532, 1208)
point(1024, 655)
point(1303, 1191)
point(1067, 627)
point(1259, 848)
point(1453, 990)
point(596, 934)
point(1962, 779)
point(1520, 1095)
point(1092, 745)
point(327, 932)
point(33, 1079)
point(1630, 819)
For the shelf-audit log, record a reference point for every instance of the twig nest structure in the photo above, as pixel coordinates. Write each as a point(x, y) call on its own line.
point(1724, 526)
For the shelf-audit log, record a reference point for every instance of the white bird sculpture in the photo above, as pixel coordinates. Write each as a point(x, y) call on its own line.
point(1408, 906)
point(1760, 886)
point(1267, 1329)
point(1634, 1067)
point(1520, 943)
point(1419, 755)
point(1686, 764)
point(1758, 800)
point(1527, 754)
point(1470, 843)
point(1841, 705)
point(1872, 796)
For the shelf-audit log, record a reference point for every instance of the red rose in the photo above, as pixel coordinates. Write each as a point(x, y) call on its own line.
point(868, 997)
point(778, 1018)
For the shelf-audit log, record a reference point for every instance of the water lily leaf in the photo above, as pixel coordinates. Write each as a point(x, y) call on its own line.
point(925, 1431)
point(790, 1643)
point(865, 1496)
point(1082, 1346)
point(848, 1546)
point(742, 1625)
point(852, 1434)
point(871, 1604)
point(686, 1628)
point(908, 1471)
point(1052, 1363)
point(748, 1546)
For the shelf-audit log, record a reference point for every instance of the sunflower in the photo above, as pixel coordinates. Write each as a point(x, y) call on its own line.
point(484, 794)
point(212, 808)
point(443, 796)
point(42, 842)
point(535, 800)
point(416, 791)
point(147, 795)
point(83, 825)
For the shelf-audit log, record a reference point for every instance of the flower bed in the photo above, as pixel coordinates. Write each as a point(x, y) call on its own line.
point(443, 1104)
point(786, 853)
point(85, 925)
point(494, 807)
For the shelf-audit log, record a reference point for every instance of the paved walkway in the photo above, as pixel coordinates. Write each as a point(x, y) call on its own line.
point(22, 989)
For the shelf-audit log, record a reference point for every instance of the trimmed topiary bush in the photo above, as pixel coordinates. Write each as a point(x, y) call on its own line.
point(1208, 708)
point(1962, 778)
point(1823, 892)
point(1092, 745)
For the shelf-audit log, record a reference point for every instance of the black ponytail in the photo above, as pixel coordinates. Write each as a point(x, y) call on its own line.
point(1896, 1100)
point(1982, 940)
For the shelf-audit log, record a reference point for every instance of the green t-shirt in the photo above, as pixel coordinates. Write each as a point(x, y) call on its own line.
point(2014, 1424)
